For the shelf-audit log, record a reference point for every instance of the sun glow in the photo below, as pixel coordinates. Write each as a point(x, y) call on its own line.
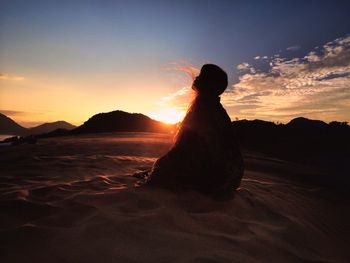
point(169, 115)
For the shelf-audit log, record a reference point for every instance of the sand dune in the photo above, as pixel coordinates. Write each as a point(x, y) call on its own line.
point(72, 199)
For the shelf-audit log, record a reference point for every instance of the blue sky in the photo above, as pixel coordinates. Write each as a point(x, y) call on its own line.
point(102, 51)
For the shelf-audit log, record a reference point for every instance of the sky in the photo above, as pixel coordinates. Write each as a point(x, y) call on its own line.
point(68, 60)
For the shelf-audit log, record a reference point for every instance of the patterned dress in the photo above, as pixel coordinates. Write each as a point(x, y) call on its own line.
point(206, 156)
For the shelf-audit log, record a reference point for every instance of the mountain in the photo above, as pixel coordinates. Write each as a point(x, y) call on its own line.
point(121, 121)
point(304, 123)
point(310, 142)
point(49, 127)
point(298, 138)
point(102, 122)
point(9, 126)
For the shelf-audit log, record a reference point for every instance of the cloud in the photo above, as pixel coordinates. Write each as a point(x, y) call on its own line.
point(177, 95)
point(314, 86)
point(293, 48)
point(179, 99)
point(263, 57)
point(334, 75)
point(183, 67)
point(246, 67)
point(4, 76)
point(243, 66)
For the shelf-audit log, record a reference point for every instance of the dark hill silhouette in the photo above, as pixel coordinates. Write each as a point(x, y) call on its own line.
point(9, 126)
point(304, 123)
point(49, 127)
point(121, 121)
point(302, 140)
point(299, 133)
point(55, 133)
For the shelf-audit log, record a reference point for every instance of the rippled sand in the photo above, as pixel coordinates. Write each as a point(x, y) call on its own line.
point(72, 199)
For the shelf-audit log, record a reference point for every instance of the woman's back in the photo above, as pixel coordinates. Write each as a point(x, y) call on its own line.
point(205, 156)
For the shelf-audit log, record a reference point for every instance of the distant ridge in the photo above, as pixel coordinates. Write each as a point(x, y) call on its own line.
point(298, 135)
point(304, 123)
point(310, 142)
point(121, 121)
point(103, 122)
point(51, 126)
point(9, 126)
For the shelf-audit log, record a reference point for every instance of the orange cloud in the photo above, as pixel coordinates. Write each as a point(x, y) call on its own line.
point(4, 76)
point(316, 86)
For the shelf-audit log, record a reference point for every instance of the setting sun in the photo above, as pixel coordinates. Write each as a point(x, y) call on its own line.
point(169, 115)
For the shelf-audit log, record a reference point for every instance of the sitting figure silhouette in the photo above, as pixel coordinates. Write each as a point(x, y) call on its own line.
point(206, 155)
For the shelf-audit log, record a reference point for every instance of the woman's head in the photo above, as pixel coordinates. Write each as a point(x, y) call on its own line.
point(212, 80)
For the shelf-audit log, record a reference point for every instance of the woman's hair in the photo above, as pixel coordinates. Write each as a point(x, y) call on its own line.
point(212, 80)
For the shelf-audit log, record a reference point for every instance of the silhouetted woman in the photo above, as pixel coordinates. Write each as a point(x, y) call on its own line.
point(206, 156)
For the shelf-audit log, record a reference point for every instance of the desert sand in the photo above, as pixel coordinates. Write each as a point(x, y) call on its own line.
point(73, 199)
